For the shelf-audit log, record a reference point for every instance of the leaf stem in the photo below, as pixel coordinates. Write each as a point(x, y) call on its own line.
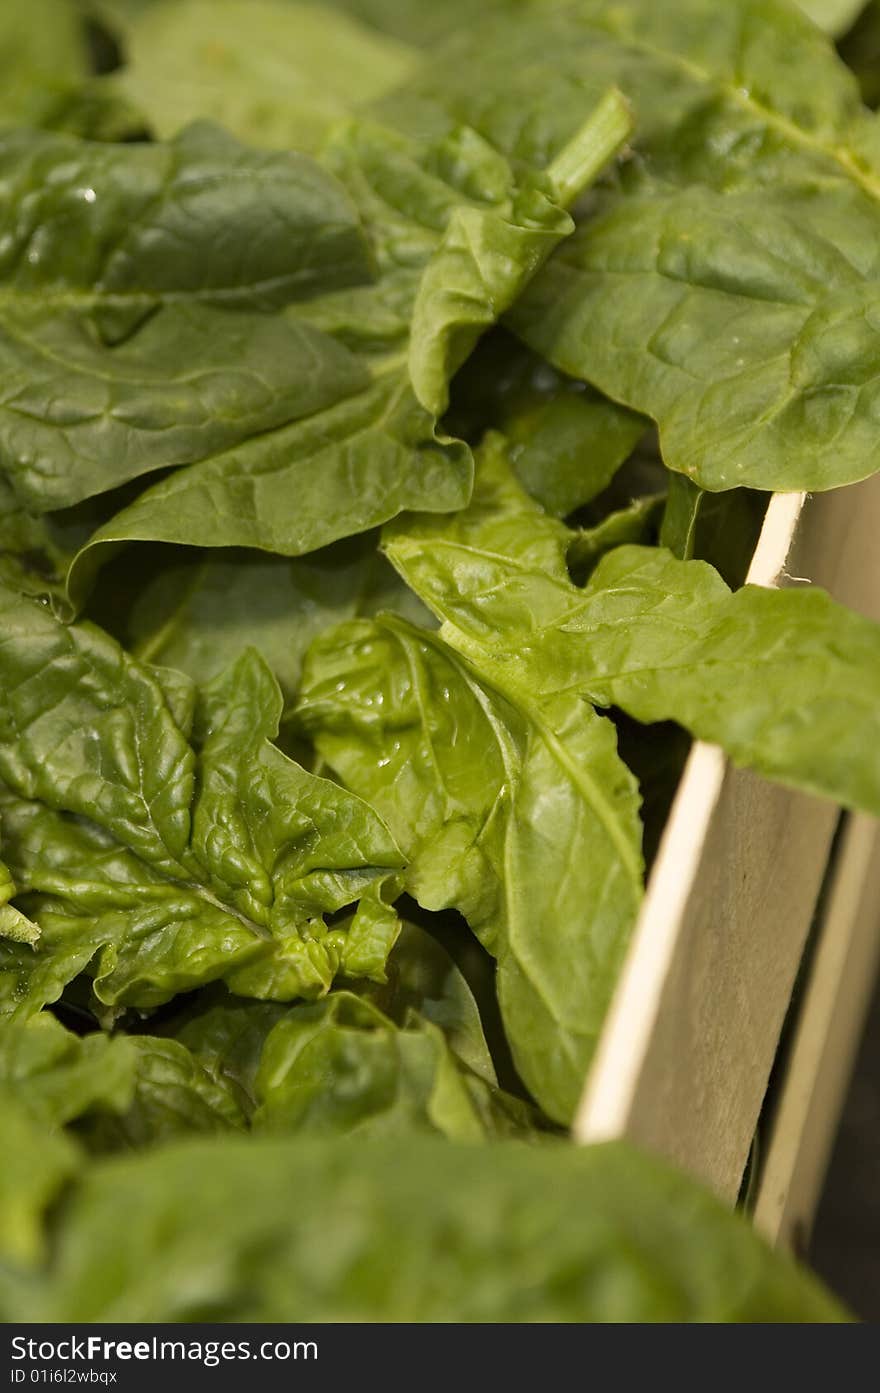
point(597, 141)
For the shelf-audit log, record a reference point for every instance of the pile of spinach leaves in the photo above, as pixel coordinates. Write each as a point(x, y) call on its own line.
point(390, 398)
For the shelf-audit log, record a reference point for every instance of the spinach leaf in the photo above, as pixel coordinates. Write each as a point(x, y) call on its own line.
point(42, 57)
point(36, 1164)
point(13, 924)
point(409, 1054)
point(48, 1077)
point(419, 24)
point(239, 1229)
point(787, 681)
point(454, 208)
point(834, 16)
point(273, 72)
point(161, 840)
point(567, 441)
point(199, 611)
point(514, 809)
point(173, 1095)
point(99, 237)
point(341, 1066)
point(724, 283)
point(59, 1077)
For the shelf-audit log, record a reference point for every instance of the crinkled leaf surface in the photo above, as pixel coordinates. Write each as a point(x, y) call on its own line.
point(13, 924)
point(407, 1054)
point(787, 681)
point(423, 1230)
point(173, 1095)
point(164, 842)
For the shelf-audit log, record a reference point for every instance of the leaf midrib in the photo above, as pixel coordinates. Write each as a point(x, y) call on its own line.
point(741, 98)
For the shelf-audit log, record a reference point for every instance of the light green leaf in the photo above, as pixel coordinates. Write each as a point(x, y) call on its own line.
point(684, 503)
point(418, 23)
point(834, 16)
point(48, 1077)
point(273, 72)
point(787, 681)
point(13, 924)
point(173, 1095)
point(42, 56)
point(240, 1229)
point(36, 1164)
point(727, 287)
point(227, 1035)
point(58, 1076)
point(342, 1066)
point(424, 981)
point(171, 856)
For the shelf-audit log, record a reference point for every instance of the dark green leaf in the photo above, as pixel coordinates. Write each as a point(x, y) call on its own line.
point(171, 842)
point(201, 611)
point(566, 440)
point(173, 1094)
point(377, 452)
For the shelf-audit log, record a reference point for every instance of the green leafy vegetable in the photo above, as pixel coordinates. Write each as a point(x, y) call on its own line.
point(723, 282)
point(167, 839)
point(786, 681)
point(525, 1234)
point(377, 451)
point(512, 807)
point(373, 391)
point(200, 611)
point(13, 925)
point(834, 16)
point(566, 441)
point(273, 72)
point(97, 238)
point(42, 56)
